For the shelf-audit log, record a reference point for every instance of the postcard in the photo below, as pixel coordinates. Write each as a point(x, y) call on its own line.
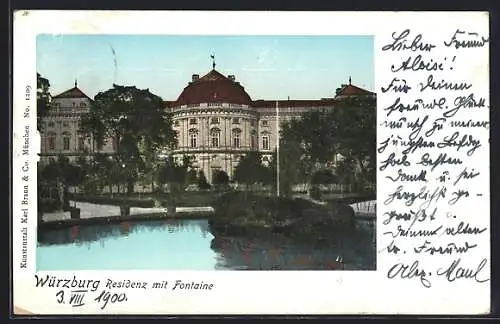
point(199, 162)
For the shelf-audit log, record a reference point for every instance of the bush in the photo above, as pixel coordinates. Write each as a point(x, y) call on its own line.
point(315, 193)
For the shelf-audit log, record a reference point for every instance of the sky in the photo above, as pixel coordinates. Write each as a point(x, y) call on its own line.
point(269, 67)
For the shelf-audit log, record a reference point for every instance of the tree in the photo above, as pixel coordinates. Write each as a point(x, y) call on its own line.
point(220, 180)
point(202, 181)
point(348, 130)
point(292, 168)
point(324, 177)
point(345, 170)
point(192, 177)
point(250, 169)
point(314, 134)
point(357, 135)
point(137, 123)
point(42, 97)
point(61, 174)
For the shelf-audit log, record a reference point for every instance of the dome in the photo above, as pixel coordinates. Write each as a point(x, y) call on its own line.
point(213, 87)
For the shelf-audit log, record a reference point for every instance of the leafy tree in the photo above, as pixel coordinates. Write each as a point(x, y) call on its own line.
point(345, 170)
point(136, 121)
point(202, 181)
point(348, 130)
point(220, 180)
point(356, 135)
point(192, 177)
point(314, 134)
point(250, 170)
point(42, 95)
point(292, 169)
point(61, 174)
point(324, 177)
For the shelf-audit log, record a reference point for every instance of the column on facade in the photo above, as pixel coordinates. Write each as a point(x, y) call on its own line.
point(185, 133)
point(247, 132)
point(206, 137)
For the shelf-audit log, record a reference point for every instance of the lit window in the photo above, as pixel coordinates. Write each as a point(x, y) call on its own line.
point(193, 121)
point(215, 137)
point(265, 142)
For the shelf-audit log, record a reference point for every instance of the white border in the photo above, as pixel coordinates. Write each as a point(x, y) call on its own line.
point(246, 292)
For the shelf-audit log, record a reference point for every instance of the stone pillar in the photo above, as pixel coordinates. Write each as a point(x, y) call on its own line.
point(124, 210)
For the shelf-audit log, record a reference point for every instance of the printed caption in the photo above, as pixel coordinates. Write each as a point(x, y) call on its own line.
point(24, 175)
point(77, 292)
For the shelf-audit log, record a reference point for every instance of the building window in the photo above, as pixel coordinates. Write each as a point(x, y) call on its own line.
point(176, 123)
point(66, 143)
point(214, 120)
point(252, 123)
point(81, 143)
point(265, 142)
point(52, 142)
point(215, 137)
point(236, 120)
point(264, 123)
point(51, 124)
point(192, 139)
point(236, 138)
point(65, 124)
point(193, 121)
point(83, 105)
point(253, 140)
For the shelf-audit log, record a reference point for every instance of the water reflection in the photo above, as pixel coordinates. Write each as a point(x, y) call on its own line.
point(92, 233)
point(355, 251)
point(188, 245)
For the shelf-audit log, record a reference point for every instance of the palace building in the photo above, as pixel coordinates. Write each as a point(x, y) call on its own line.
point(216, 121)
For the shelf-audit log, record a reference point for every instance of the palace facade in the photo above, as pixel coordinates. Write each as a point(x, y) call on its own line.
point(216, 121)
point(60, 128)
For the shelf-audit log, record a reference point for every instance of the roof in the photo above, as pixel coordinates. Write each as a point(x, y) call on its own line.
point(213, 87)
point(74, 92)
point(293, 103)
point(352, 90)
point(169, 103)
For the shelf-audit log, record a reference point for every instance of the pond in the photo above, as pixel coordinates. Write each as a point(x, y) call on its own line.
point(189, 245)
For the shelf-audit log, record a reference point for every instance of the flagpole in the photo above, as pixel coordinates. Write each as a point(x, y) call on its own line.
point(277, 152)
